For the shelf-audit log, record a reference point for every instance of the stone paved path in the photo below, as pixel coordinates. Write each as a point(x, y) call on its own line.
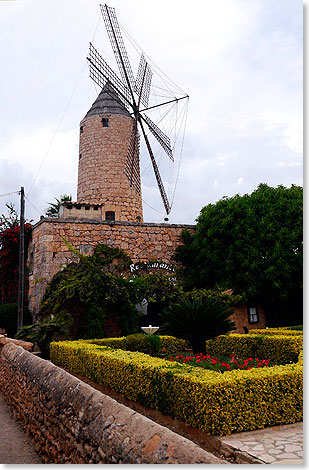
point(276, 445)
point(15, 446)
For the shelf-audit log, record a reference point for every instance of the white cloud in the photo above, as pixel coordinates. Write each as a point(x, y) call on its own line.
point(240, 62)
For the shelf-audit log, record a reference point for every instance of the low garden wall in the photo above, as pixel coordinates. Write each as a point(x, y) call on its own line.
point(73, 423)
point(216, 403)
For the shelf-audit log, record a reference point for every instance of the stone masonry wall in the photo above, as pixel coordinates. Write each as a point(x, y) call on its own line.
point(71, 422)
point(48, 253)
point(103, 153)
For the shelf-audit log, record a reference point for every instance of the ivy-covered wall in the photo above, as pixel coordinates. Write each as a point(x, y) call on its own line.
point(48, 253)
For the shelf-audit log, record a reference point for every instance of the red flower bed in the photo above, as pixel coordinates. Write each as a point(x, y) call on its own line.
point(221, 363)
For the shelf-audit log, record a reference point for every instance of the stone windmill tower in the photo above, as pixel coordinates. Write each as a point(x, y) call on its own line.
point(105, 135)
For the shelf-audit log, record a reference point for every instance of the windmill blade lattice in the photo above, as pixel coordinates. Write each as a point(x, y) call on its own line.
point(131, 169)
point(156, 172)
point(162, 138)
point(101, 73)
point(115, 37)
point(143, 82)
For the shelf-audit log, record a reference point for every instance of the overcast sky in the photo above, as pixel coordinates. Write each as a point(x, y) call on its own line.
point(240, 62)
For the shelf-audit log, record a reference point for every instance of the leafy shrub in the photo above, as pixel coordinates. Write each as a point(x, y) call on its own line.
point(196, 321)
point(92, 288)
point(8, 318)
point(206, 294)
point(169, 344)
point(95, 317)
point(149, 344)
point(47, 330)
point(172, 345)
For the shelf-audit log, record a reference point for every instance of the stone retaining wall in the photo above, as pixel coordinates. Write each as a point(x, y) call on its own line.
point(73, 423)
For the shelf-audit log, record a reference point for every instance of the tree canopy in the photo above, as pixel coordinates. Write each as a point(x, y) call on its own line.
point(54, 207)
point(251, 244)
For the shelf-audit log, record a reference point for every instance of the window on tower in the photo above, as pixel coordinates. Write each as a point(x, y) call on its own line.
point(105, 122)
point(110, 215)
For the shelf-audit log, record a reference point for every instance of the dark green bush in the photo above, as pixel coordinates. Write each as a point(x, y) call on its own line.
point(149, 344)
point(196, 321)
point(8, 318)
point(297, 328)
point(51, 328)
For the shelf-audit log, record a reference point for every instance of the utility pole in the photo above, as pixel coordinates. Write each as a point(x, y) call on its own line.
point(21, 281)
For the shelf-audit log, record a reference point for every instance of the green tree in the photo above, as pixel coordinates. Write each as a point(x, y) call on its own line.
point(197, 321)
point(252, 244)
point(159, 291)
point(54, 207)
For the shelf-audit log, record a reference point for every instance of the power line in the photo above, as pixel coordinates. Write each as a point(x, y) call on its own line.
point(8, 194)
point(153, 208)
point(62, 117)
point(58, 127)
point(39, 212)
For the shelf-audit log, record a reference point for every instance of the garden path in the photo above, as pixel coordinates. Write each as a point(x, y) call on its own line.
point(275, 445)
point(15, 446)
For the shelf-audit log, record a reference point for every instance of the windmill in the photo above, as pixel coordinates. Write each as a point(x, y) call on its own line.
point(134, 94)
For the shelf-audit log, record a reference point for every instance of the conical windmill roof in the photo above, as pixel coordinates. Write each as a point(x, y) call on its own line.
point(107, 103)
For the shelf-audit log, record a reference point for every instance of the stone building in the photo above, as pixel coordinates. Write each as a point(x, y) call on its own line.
point(108, 209)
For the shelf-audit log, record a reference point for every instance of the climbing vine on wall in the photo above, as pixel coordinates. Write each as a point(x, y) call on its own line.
point(92, 288)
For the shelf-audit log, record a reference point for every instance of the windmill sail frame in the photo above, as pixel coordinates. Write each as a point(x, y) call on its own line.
point(125, 87)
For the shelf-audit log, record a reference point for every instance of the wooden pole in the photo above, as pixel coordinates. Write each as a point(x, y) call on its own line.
point(21, 280)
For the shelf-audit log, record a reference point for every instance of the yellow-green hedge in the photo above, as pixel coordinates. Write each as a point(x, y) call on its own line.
point(275, 331)
point(283, 349)
point(169, 344)
point(211, 401)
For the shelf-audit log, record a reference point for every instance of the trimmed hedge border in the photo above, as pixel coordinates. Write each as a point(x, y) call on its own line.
point(276, 331)
point(280, 348)
point(216, 403)
point(169, 344)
